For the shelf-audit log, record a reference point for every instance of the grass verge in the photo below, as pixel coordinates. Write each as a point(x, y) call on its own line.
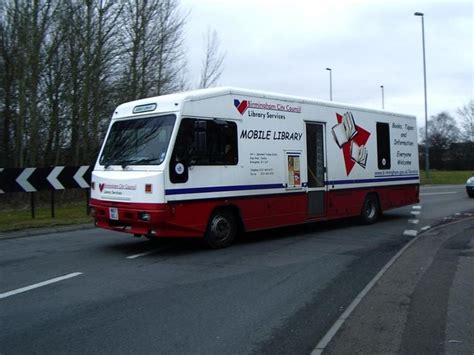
point(446, 177)
point(67, 214)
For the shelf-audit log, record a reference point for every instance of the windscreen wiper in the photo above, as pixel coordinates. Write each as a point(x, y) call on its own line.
point(135, 161)
point(124, 163)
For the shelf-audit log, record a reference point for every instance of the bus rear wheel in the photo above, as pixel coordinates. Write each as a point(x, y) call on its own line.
point(221, 230)
point(370, 210)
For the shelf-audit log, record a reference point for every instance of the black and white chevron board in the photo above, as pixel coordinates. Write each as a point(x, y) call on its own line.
point(40, 179)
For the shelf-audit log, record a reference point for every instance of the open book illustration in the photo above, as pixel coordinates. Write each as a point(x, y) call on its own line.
point(343, 132)
point(359, 154)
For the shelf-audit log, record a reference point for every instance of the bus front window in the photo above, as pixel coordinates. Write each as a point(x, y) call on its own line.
point(142, 141)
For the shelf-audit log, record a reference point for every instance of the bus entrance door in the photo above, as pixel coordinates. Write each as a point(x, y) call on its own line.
point(316, 167)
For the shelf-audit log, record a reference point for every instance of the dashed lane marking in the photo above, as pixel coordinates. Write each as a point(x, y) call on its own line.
point(415, 212)
point(410, 232)
point(425, 228)
point(141, 254)
point(438, 193)
point(40, 284)
point(413, 221)
point(417, 207)
point(164, 248)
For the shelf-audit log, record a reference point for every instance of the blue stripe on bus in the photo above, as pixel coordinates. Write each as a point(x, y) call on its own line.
point(380, 179)
point(200, 190)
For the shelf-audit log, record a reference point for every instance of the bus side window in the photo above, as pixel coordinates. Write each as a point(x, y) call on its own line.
point(205, 143)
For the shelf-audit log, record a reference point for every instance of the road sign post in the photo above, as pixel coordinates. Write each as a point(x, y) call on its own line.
point(32, 204)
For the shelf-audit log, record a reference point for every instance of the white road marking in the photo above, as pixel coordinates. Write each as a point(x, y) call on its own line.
point(141, 254)
point(415, 212)
point(163, 248)
point(438, 193)
point(425, 228)
point(417, 207)
point(410, 232)
point(414, 221)
point(40, 284)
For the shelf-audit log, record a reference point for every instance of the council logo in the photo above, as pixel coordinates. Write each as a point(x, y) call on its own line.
point(241, 106)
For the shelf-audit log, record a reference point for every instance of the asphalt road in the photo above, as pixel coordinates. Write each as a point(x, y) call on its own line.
point(276, 291)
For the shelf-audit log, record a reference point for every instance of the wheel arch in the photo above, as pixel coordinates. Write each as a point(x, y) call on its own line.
point(376, 195)
point(232, 208)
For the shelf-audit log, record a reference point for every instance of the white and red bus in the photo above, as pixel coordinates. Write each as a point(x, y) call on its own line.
point(211, 163)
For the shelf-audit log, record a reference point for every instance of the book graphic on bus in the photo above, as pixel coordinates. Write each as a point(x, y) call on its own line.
point(359, 154)
point(352, 140)
point(346, 130)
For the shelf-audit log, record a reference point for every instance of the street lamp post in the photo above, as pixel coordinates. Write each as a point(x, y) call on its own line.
point(383, 103)
point(427, 157)
point(330, 83)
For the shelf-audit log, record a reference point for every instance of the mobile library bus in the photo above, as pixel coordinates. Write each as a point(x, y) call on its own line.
point(210, 163)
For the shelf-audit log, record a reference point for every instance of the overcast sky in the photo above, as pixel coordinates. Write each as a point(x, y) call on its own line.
point(284, 47)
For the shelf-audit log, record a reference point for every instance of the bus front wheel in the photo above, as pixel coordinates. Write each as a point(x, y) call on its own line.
point(222, 230)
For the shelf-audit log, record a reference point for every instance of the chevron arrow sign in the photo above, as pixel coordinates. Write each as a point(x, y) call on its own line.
point(39, 179)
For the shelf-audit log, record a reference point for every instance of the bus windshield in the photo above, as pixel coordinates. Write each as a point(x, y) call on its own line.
point(142, 141)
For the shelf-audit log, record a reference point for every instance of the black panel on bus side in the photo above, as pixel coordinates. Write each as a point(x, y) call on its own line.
point(383, 146)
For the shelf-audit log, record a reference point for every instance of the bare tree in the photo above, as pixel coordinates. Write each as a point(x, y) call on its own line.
point(169, 61)
point(442, 132)
point(64, 65)
point(153, 48)
point(466, 113)
point(90, 47)
point(54, 87)
point(212, 65)
point(25, 32)
point(8, 85)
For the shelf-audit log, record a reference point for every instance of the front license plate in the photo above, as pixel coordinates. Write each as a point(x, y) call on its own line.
point(113, 213)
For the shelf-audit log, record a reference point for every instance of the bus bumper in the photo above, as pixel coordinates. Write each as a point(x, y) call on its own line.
point(151, 220)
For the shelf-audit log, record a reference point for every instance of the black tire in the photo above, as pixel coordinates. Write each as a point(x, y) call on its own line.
point(371, 210)
point(221, 230)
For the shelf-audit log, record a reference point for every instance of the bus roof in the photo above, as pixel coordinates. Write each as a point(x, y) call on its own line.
point(174, 102)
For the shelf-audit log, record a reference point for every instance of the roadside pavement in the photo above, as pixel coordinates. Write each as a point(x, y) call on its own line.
point(45, 230)
point(423, 303)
